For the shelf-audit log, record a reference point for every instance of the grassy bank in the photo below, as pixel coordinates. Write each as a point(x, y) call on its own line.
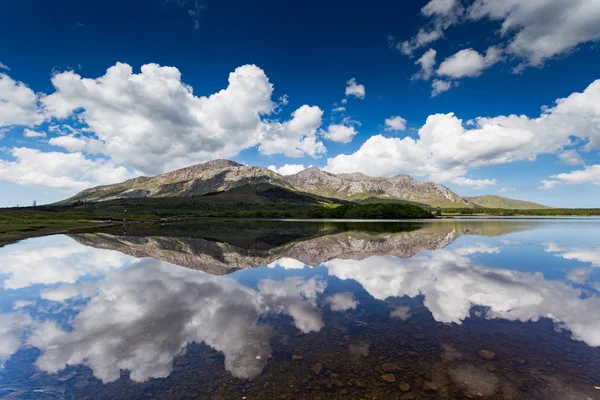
point(550, 212)
point(16, 224)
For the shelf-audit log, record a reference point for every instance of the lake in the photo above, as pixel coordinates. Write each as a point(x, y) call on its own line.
point(499, 309)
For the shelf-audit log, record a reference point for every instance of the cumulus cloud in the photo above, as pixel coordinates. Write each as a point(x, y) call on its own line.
point(442, 15)
point(18, 104)
point(73, 143)
point(468, 63)
point(33, 134)
point(589, 175)
point(296, 137)
point(395, 123)
point(65, 171)
point(151, 121)
point(4, 66)
point(339, 133)
point(426, 63)
point(570, 157)
point(536, 31)
point(338, 109)
point(445, 149)
point(451, 285)
point(354, 89)
point(585, 255)
point(178, 306)
point(341, 302)
point(474, 183)
point(53, 260)
point(532, 32)
point(288, 169)
point(12, 327)
point(439, 86)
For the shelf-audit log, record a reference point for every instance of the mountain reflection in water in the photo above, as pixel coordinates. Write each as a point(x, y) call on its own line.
point(445, 309)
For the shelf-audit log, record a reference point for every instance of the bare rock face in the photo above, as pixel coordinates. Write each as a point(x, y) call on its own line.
point(223, 175)
point(197, 180)
point(360, 186)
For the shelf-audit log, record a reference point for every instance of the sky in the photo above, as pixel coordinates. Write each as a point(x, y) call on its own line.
point(484, 96)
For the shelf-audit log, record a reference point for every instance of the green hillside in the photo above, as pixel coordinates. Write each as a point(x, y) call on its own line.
point(492, 201)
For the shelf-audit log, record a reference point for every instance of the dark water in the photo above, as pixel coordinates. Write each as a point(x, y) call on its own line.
point(255, 310)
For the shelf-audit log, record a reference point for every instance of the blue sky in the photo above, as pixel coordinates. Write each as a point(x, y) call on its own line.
point(64, 127)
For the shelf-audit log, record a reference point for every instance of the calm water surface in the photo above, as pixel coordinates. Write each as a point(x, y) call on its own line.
point(506, 309)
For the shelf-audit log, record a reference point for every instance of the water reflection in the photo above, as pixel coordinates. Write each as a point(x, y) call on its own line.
point(441, 310)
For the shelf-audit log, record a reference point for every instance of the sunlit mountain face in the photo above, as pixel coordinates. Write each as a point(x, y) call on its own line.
point(444, 309)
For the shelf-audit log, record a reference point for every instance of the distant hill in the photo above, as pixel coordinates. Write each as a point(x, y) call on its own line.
point(493, 201)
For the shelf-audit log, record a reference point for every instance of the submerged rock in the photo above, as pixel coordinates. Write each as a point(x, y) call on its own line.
point(317, 368)
point(389, 378)
point(487, 355)
point(405, 387)
point(390, 367)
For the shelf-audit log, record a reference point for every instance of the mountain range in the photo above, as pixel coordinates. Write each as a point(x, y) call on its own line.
point(223, 175)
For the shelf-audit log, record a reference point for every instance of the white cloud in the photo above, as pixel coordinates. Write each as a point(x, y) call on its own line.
point(588, 175)
point(339, 133)
point(570, 157)
point(12, 328)
point(451, 285)
point(468, 63)
point(52, 260)
point(474, 183)
point(125, 296)
point(402, 313)
point(33, 134)
point(18, 104)
point(153, 122)
point(395, 123)
point(541, 29)
point(354, 89)
point(445, 149)
point(182, 306)
point(443, 14)
point(532, 31)
point(4, 66)
point(296, 137)
point(287, 169)
point(81, 143)
point(581, 254)
point(426, 63)
point(65, 171)
point(506, 190)
point(439, 86)
point(341, 302)
point(338, 109)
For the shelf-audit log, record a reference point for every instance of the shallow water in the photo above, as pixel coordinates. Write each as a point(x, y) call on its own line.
point(277, 310)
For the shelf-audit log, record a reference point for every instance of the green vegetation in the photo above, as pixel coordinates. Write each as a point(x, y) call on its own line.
point(547, 212)
point(370, 211)
point(492, 201)
point(17, 224)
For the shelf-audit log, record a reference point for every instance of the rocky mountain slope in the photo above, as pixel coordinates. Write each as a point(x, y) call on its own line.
point(197, 180)
point(358, 186)
point(223, 175)
point(493, 201)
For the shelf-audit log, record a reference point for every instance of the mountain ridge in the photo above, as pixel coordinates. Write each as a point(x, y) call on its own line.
point(223, 175)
